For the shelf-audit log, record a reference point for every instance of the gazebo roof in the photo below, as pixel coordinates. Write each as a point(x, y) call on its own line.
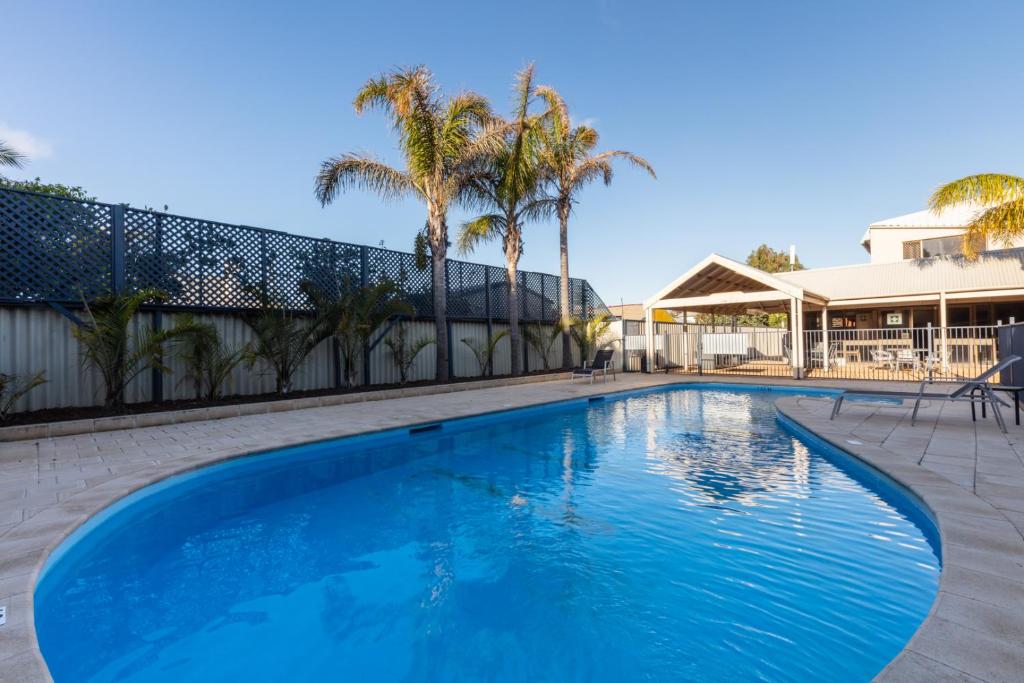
point(723, 285)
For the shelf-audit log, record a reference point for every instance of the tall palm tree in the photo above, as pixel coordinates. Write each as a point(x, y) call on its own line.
point(1000, 199)
point(567, 152)
point(10, 156)
point(510, 188)
point(442, 141)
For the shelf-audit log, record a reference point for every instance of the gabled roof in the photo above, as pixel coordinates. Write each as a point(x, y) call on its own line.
point(717, 274)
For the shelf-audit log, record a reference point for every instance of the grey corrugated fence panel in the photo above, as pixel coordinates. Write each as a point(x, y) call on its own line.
point(382, 365)
point(57, 249)
point(36, 338)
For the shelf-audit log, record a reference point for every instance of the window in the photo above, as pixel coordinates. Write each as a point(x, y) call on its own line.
point(942, 246)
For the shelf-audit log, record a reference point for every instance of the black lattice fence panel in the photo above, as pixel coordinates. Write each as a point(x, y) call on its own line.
point(399, 268)
point(53, 248)
point(470, 291)
point(57, 249)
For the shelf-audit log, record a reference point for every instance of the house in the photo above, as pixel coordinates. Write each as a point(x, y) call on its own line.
point(916, 283)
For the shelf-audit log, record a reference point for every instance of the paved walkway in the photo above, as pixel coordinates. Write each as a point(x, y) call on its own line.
point(970, 472)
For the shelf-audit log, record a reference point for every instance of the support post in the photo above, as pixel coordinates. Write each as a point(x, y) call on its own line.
point(649, 338)
point(686, 342)
point(942, 332)
point(796, 330)
point(824, 339)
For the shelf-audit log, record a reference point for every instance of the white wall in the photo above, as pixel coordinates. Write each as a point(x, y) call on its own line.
point(887, 243)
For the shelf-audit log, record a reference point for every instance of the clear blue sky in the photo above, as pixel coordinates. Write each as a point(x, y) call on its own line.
point(797, 122)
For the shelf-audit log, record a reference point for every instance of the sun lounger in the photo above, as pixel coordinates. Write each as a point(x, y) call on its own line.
point(977, 390)
point(602, 365)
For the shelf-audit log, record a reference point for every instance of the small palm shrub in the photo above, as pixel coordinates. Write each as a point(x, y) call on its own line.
point(208, 362)
point(541, 341)
point(483, 351)
point(13, 387)
point(282, 341)
point(355, 314)
point(109, 346)
point(404, 352)
point(588, 333)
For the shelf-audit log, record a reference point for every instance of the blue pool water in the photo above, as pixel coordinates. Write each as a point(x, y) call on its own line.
point(669, 535)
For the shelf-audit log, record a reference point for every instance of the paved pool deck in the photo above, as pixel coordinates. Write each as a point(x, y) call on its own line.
point(968, 474)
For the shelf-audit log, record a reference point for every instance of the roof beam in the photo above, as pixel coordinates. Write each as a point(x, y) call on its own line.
point(721, 299)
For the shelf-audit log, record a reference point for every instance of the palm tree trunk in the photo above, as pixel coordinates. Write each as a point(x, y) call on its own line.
point(438, 251)
point(512, 268)
point(564, 312)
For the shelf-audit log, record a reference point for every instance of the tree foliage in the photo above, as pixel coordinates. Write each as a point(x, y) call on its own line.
point(404, 351)
point(355, 314)
point(442, 140)
point(109, 344)
point(208, 361)
point(567, 154)
point(483, 351)
point(1000, 201)
point(13, 387)
point(772, 260)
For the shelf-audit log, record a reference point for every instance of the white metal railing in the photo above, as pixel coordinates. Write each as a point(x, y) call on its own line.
point(901, 353)
point(908, 354)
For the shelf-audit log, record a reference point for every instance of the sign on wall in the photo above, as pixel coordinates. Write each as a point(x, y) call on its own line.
point(893, 318)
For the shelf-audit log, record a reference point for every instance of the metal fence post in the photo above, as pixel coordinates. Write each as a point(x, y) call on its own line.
point(487, 307)
point(156, 377)
point(117, 249)
point(364, 281)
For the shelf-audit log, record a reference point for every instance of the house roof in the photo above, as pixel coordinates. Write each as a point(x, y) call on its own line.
point(954, 217)
point(993, 270)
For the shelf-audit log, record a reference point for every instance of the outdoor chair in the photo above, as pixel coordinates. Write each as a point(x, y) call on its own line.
point(977, 390)
point(602, 364)
point(818, 353)
point(907, 357)
point(883, 359)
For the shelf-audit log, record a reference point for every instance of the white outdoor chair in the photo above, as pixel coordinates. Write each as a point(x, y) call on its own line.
point(883, 359)
point(907, 358)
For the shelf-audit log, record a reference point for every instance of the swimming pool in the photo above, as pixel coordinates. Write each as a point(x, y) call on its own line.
point(681, 534)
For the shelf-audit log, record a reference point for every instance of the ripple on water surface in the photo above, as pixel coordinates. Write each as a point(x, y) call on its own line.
point(673, 535)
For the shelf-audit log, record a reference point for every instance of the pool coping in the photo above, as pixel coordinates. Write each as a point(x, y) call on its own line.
point(960, 517)
point(964, 635)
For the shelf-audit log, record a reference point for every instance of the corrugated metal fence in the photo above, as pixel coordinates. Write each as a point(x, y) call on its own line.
point(36, 338)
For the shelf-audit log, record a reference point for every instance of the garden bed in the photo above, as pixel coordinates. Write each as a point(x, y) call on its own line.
point(80, 420)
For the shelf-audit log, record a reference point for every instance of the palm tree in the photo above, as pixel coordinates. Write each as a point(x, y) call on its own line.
point(510, 187)
point(10, 156)
point(567, 154)
point(442, 141)
point(1000, 198)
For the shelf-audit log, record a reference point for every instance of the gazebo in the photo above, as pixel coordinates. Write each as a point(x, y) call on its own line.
point(722, 286)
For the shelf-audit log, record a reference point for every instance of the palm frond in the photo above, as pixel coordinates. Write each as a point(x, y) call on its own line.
point(1002, 224)
point(983, 189)
point(633, 159)
point(480, 229)
point(344, 172)
point(558, 111)
point(10, 156)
